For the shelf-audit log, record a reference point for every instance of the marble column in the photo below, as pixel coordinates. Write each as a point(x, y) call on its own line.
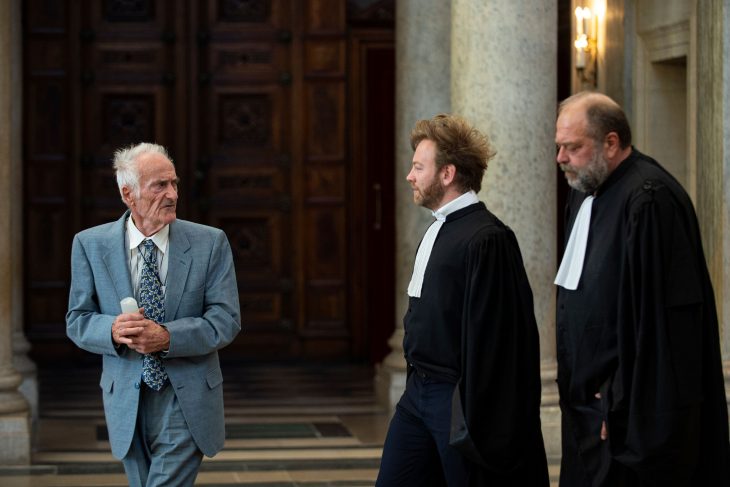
point(503, 79)
point(724, 297)
point(422, 90)
point(713, 152)
point(15, 432)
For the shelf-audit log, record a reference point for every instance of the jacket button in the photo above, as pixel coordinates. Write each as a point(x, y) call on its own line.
point(136, 385)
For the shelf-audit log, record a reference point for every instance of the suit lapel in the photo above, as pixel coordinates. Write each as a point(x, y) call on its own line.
point(177, 270)
point(115, 258)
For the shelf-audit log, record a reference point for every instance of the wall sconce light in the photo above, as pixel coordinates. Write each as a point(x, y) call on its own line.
point(587, 23)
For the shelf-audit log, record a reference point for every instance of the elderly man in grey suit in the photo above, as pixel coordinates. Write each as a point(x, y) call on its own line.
point(161, 379)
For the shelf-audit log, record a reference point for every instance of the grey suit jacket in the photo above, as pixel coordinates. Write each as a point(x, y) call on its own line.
point(201, 314)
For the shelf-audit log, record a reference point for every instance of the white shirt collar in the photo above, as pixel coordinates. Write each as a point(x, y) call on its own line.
point(136, 237)
point(466, 199)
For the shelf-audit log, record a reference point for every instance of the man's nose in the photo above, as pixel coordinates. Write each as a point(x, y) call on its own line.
point(560, 158)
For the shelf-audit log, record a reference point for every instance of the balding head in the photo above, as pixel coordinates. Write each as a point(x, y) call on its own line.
point(602, 116)
point(593, 138)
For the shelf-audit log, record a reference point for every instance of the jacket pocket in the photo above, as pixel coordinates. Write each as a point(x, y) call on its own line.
point(214, 378)
point(106, 383)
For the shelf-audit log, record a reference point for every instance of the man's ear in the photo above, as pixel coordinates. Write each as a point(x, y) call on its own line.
point(611, 145)
point(448, 174)
point(127, 196)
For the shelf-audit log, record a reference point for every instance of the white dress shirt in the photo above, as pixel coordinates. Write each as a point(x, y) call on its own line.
point(133, 239)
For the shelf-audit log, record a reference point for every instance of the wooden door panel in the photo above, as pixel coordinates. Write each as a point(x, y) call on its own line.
point(119, 18)
point(325, 303)
point(325, 243)
point(245, 161)
point(122, 115)
point(250, 61)
point(46, 114)
point(256, 17)
point(263, 269)
point(48, 179)
point(324, 325)
point(256, 243)
point(128, 72)
point(246, 125)
point(250, 98)
point(48, 256)
point(325, 120)
point(116, 115)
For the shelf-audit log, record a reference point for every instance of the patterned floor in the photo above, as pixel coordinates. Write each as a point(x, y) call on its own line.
point(287, 426)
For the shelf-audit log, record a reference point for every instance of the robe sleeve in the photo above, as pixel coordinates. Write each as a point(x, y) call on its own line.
point(654, 399)
point(497, 401)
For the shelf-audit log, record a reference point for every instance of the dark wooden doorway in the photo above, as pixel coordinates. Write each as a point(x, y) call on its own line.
point(372, 68)
point(253, 100)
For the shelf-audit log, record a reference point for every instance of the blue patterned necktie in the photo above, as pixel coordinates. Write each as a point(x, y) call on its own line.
point(152, 299)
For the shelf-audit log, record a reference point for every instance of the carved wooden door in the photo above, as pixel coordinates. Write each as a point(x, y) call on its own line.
point(241, 112)
point(130, 83)
point(249, 97)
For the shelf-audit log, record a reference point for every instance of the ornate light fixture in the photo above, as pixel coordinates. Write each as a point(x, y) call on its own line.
point(588, 20)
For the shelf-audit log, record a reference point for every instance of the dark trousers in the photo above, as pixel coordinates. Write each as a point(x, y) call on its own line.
point(416, 450)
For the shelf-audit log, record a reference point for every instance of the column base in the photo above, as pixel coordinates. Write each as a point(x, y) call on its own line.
point(29, 374)
point(29, 390)
point(389, 386)
point(550, 410)
point(390, 376)
point(550, 422)
point(15, 435)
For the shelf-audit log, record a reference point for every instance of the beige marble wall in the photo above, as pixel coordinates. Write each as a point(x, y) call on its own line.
point(14, 418)
point(504, 66)
point(423, 30)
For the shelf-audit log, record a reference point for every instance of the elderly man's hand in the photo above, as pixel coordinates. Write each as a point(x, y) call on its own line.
point(140, 334)
point(127, 326)
point(153, 338)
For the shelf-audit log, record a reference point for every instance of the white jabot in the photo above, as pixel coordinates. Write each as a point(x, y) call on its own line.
point(424, 250)
point(572, 265)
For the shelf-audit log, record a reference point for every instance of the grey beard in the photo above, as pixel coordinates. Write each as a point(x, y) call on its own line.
point(591, 177)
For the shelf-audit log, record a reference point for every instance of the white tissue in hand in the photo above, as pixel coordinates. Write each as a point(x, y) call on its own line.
point(129, 305)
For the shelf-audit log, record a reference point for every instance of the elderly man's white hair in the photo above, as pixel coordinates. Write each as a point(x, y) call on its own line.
point(125, 165)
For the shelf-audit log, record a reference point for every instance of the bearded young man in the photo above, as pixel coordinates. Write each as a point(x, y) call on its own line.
point(470, 414)
point(639, 367)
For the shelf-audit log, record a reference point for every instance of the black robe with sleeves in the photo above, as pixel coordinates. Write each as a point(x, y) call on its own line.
point(641, 329)
point(474, 325)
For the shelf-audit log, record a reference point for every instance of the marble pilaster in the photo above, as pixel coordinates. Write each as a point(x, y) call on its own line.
point(15, 435)
point(713, 149)
point(503, 79)
point(725, 294)
point(422, 90)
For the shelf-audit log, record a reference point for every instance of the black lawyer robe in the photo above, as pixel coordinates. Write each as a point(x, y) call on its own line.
point(642, 330)
point(474, 324)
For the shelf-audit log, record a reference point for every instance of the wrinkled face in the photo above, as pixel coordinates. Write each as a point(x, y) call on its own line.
point(428, 190)
point(156, 204)
point(579, 156)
